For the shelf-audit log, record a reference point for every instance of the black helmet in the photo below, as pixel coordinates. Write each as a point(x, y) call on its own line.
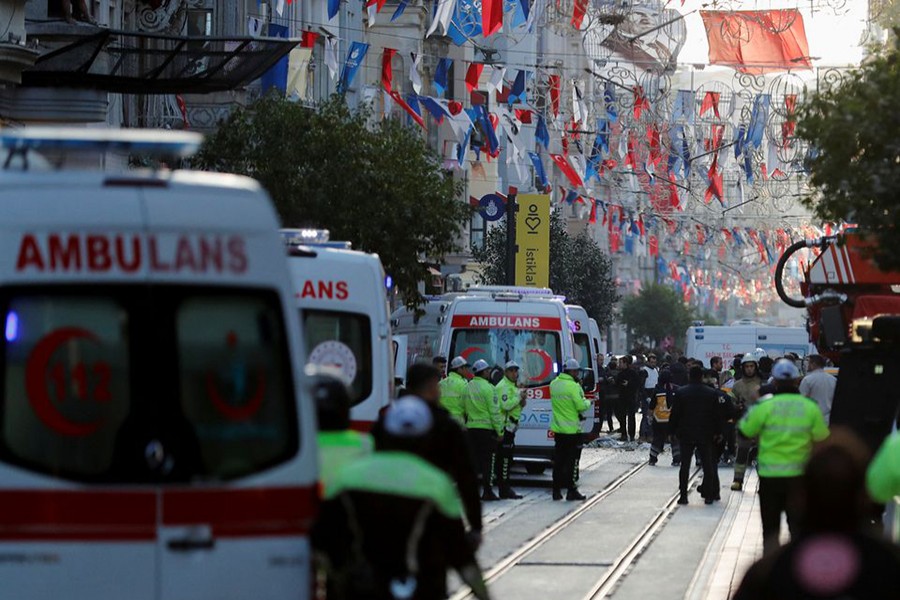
point(331, 396)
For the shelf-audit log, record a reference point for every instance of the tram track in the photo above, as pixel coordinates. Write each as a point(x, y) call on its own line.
point(616, 570)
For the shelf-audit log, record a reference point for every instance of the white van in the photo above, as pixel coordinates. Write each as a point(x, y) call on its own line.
point(342, 298)
point(728, 341)
point(155, 438)
point(422, 327)
point(530, 326)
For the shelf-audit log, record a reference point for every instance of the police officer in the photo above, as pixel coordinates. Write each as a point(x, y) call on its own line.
point(485, 424)
point(746, 395)
point(787, 424)
point(883, 476)
point(454, 389)
point(338, 444)
point(391, 524)
point(568, 402)
point(512, 401)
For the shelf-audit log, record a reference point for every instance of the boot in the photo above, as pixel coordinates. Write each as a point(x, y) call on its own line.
point(737, 486)
point(557, 494)
point(574, 494)
point(489, 496)
point(507, 493)
point(683, 499)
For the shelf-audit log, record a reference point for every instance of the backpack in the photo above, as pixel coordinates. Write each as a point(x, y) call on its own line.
point(661, 409)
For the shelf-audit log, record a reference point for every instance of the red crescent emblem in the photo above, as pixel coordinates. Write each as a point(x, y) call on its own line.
point(237, 413)
point(469, 352)
point(36, 382)
point(548, 364)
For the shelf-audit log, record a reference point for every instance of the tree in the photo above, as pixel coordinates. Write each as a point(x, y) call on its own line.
point(656, 313)
point(855, 162)
point(579, 270)
point(377, 185)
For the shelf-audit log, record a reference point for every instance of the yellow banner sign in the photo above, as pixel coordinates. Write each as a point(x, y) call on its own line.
point(533, 241)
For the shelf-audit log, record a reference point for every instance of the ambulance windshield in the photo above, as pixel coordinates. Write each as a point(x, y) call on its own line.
point(538, 352)
point(583, 350)
point(342, 340)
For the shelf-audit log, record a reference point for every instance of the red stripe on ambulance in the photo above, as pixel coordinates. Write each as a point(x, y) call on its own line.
point(506, 322)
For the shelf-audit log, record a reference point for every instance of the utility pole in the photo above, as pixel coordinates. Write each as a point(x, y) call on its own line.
point(512, 208)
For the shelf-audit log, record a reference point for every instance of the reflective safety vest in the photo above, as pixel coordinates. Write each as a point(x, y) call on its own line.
point(400, 474)
point(787, 426)
point(483, 406)
point(883, 477)
point(337, 449)
point(661, 408)
point(510, 398)
point(568, 401)
point(454, 389)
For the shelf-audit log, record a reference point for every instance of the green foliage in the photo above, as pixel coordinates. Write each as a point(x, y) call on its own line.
point(856, 170)
point(579, 269)
point(656, 312)
point(377, 185)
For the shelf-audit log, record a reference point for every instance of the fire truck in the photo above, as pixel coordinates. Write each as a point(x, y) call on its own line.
point(853, 312)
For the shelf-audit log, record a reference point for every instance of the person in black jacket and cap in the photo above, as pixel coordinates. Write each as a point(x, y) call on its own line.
point(696, 420)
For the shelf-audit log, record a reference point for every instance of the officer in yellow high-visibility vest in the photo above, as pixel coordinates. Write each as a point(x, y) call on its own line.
point(485, 424)
point(512, 400)
point(454, 389)
point(568, 402)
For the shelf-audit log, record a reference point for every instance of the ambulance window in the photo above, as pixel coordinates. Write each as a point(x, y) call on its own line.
point(537, 351)
point(234, 382)
point(65, 383)
point(583, 350)
point(343, 340)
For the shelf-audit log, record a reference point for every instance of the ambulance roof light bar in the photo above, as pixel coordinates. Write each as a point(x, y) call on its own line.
point(505, 289)
point(154, 142)
point(311, 237)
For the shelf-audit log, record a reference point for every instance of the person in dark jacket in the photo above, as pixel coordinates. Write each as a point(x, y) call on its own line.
point(447, 446)
point(661, 410)
point(680, 372)
point(628, 383)
point(696, 421)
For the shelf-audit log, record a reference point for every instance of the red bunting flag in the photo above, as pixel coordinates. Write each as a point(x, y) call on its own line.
point(757, 42)
point(567, 169)
point(790, 124)
point(715, 182)
point(579, 9)
point(593, 217)
point(653, 246)
point(710, 101)
point(554, 94)
point(491, 16)
point(524, 116)
point(640, 101)
point(473, 74)
point(387, 80)
point(308, 39)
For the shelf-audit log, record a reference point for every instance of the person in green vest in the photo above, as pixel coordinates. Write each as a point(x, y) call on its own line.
point(391, 524)
point(787, 424)
point(883, 476)
point(338, 444)
point(568, 403)
point(454, 389)
point(512, 401)
point(485, 425)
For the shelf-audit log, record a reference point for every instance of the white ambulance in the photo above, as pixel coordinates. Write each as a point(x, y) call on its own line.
point(530, 326)
point(728, 341)
point(156, 441)
point(342, 297)
point(586, 345)
point(422, 328)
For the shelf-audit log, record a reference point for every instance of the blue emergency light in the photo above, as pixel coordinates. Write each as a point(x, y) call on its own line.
point(155, 142)
point(311, 237)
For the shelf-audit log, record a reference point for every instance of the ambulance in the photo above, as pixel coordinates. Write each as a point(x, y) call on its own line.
point(529, 326)
point(156, 440)
point(728, 341)
point(585, 349)
point(341, 295)
point(421, 330)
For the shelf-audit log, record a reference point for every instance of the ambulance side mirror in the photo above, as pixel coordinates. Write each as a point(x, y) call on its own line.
point(588, 381)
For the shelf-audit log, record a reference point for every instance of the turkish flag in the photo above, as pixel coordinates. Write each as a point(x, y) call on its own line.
point(567, 169)
point(757, 41)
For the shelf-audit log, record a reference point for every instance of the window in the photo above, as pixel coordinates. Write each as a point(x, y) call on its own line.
point(477, 231)
point(583, 350)
point(537, 351)
point(147, 384)
point(342, 340)
point(199, 22)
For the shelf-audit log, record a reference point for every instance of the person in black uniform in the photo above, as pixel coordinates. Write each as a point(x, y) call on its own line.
point(628, 382)
point(696, 421)
point(448, 447)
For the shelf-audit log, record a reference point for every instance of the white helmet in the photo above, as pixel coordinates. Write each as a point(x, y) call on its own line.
point(408, 417)
point(572, 365)
point(480, 365)
point(750, 357)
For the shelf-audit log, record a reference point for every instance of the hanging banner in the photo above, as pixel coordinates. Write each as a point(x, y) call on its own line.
point(533, 241)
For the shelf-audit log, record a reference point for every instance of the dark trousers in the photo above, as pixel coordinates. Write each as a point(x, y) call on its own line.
point(625, 409)
point(566, 455)
point(745, 445)
point(646, 430)
point(710, 488)
point(503, 463)
point(484, 442)
point(774, 499)
point(661, 434)
point(606, 411)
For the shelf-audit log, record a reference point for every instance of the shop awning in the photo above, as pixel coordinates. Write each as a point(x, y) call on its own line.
point(145, 63)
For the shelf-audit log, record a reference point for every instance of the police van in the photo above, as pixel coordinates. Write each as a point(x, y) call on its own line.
point(530, 326)
point(155, 438)
point(342, 298)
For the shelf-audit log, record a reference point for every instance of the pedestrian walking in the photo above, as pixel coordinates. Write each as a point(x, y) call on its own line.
point(661, 411)
point(787, 424)
point(834, 557)
point(448, 447)
point(628, 384)
point(819, 385)
point(695, 419)
point(454, 389)
point(568, 404)
point(512, 401)
point(609, 395)
point(485, 425)
point(746, 395)
point(651, 378)
point(391, 525)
